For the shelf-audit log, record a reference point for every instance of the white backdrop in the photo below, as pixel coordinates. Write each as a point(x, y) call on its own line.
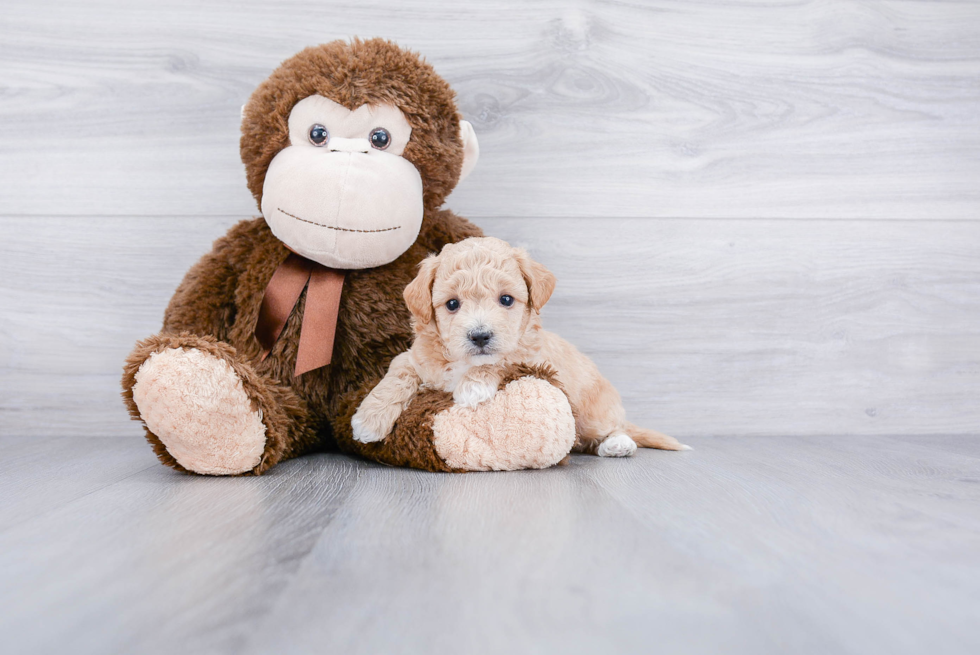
point(764, 216)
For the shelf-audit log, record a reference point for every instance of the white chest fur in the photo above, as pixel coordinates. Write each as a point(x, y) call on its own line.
point(453, 375)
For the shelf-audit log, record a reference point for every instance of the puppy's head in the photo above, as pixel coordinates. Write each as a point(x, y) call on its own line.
point(477, 297)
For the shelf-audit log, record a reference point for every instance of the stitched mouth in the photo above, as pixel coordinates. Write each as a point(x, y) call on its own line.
point(334, 227)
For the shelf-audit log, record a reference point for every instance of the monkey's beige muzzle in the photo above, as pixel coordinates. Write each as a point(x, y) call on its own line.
point(344, 206)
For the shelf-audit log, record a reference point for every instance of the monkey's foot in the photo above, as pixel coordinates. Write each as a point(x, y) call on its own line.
point(527, 424)
point(196, 405)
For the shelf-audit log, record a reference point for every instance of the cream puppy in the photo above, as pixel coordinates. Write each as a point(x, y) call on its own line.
point(475, 308)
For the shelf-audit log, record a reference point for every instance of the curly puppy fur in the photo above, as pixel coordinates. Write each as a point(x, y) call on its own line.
point(216, 306)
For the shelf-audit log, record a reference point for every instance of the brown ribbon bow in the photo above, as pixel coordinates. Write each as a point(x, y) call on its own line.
point(319, 315)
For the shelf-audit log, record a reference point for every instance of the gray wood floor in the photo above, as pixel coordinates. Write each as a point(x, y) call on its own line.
point(751, 545)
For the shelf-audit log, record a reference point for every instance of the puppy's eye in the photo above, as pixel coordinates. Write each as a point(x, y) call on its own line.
point(380, 139)
point(318, 135)
point(506, 300)
point(452, 305)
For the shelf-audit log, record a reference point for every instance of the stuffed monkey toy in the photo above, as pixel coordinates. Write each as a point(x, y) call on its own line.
point(275, 336)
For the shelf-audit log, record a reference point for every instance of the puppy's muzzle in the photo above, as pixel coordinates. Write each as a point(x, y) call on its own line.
point(480, 337)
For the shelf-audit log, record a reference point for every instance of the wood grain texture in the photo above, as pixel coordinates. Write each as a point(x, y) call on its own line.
point(706, 327)
point(744, 109)
point(73, 468)
point(753, 545)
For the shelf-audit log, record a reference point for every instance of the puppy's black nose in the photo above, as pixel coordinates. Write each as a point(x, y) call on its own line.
point(480, 337)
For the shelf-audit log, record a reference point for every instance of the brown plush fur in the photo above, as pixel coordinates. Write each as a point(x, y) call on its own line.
point(216, 306)
point(410, 442)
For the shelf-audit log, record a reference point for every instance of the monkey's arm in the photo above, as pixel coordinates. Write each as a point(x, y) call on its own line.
point(376, 415)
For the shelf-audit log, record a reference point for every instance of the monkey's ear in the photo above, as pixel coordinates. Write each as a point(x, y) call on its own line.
point(418, 293)
point(471, 149)
point(539, 280)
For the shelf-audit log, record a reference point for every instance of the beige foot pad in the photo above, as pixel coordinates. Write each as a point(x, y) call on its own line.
point(195, 403)
point(527, 425)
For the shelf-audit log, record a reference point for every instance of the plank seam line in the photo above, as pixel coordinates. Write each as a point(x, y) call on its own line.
point(75, 500)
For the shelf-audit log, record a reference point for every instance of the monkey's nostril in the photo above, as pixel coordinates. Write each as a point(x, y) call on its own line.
point(480, 338)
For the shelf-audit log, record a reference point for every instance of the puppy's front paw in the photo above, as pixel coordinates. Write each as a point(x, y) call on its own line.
point(471, 393)
point(367, 428)
point(617, 445)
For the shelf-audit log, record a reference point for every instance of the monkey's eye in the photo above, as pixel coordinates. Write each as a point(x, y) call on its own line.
point(380, 139)
point(452, 305)
point(506, 300)
point(318, 135)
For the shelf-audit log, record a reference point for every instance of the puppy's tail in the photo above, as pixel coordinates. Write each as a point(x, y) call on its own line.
point(653, 439)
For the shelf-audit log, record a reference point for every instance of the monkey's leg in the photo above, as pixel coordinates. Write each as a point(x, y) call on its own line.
point(207, 411)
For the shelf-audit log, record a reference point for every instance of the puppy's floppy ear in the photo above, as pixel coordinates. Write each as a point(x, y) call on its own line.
point(418, 293)
point(540, 281)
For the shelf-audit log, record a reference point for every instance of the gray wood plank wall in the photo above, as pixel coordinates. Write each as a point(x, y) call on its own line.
point(765, 217)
